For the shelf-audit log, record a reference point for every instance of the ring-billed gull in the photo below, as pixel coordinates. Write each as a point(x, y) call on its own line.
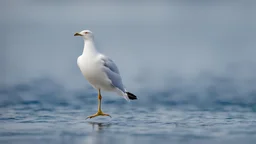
point(100, 71)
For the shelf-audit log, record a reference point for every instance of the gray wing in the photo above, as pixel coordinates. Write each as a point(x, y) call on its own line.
point(112, 72)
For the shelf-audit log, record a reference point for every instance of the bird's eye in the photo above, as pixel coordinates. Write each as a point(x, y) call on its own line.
point(86, 32)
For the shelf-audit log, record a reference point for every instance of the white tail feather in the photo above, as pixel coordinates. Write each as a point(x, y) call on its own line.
point(121, 93)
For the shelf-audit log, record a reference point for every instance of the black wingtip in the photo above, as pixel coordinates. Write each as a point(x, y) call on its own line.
point(131, 96)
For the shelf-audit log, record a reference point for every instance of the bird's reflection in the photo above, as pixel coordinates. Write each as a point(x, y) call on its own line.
point(99, 126)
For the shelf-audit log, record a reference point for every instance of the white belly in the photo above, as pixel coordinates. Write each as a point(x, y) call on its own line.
point(93, 72)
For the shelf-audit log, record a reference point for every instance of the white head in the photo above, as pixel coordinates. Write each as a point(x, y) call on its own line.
point(86, 34)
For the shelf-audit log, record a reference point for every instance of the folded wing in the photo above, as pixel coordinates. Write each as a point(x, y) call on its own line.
point(112, 72)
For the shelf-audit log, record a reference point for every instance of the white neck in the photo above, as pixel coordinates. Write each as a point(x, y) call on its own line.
point(89, 48)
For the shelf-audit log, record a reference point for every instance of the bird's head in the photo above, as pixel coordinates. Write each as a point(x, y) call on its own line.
point(86, 34)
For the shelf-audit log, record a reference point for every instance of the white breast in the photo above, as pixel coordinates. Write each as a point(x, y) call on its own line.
point(91, 69)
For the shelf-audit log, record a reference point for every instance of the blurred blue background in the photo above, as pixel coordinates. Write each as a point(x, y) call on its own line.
point(174, 55)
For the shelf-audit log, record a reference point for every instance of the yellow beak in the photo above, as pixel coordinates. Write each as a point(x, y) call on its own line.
point(77, 34)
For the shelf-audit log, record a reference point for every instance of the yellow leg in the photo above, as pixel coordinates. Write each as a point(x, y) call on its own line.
point(99, 113)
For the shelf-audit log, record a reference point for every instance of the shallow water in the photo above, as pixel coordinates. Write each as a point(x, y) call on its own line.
point(42, 111)
point(32, 123)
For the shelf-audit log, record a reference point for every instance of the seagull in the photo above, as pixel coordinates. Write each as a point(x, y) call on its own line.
point(100, 71)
